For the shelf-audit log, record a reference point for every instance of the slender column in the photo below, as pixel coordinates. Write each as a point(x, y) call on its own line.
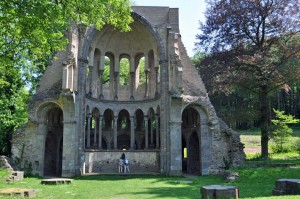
point(116, 75)
point(101, 84)
point(100, 132)
point(132, 80)
point(115, 132)
point(146, 131)
point(65, 78)
point(151, 133)
point(95, 132)
point(146, 84)
point(157, 130)
point(88, 141)
point(90, 80)
point(132, 133)
point(156, 82)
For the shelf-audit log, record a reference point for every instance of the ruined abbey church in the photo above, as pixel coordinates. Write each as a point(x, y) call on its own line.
point(83, 117)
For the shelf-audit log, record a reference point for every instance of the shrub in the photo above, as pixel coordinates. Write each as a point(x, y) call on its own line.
point(297, 145)
point(285, 148)
point(282, 132)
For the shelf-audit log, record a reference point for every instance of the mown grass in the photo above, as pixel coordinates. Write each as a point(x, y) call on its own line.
point(253, 183)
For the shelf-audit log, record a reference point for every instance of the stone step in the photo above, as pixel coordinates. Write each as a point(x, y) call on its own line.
point(56, 181)
point(21, 192)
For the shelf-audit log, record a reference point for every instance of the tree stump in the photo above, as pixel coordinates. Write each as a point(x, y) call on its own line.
point(219, 192)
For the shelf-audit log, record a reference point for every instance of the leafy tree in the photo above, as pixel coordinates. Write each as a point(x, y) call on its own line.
point(253, 45)
point(31, 32)
point(282, 131)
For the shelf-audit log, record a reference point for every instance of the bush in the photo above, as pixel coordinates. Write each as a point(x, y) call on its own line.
point(297, 145)
point(282, 133)
point(285, 148)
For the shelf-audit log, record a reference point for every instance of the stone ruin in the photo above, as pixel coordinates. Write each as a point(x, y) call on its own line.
point(82, 117)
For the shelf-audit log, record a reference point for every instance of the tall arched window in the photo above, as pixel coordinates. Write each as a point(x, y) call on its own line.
point(106, 71)
point(124, 71)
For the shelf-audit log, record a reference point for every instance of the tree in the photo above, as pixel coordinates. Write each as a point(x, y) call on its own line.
point(254, 45)
point(31, 32)
point(282, 131)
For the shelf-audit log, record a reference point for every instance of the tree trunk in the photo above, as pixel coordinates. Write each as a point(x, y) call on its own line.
point(264, 120)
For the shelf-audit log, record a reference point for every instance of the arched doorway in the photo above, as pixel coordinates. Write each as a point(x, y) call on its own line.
point(54, 143)
point(191, 152)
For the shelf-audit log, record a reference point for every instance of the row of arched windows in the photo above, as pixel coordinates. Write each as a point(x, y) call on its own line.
point(122, 77)
point(123, 131)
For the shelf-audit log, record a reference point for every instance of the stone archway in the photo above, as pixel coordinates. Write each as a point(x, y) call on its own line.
point(54, 143)
point(191, 152)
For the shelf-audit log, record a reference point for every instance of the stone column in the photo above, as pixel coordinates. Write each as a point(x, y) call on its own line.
point(151, 133)
point(90, 80)
point(156, 82)
point(88, 141)
point(132, 133)
point(65, 79)
point(41, 135)
point(132, 80)
point(175, 148)
point(146, 131)
point(95, 132)
point(146, 83)
point(157, 130)
point(116, 83)
point(100, 132)
point(164, 116)
point(100, 84)
point(116, 132)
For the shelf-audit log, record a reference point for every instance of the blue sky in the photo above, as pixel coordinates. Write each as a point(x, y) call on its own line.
point(190, 13)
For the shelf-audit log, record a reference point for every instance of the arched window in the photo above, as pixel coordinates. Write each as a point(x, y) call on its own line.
point(106, 71)
point(124, 72)
point(142, 75)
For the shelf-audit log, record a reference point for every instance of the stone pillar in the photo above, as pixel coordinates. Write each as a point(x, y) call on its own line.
point(157, 130)
point(88, 141)
point(151, 133)
point(65, 79)
point(132, 80)
point(164, 116)
point(175, 148)
point(69, 150)
point(116, 83)
point(95, 132)
point(146, 83)
point(132, 133)
point(156, 82)
point(146, 131)
point(115, 132)
point(40, 141)
point(100, 132)
point(205, 146)
point(100, 84)
point(90, 80)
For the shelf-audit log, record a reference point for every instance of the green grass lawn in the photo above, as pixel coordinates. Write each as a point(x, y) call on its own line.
point(253, 183)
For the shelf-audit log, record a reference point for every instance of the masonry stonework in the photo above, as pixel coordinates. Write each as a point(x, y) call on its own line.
point(82, 117)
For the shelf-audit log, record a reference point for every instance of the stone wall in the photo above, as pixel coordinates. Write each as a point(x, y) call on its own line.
point(107, 161)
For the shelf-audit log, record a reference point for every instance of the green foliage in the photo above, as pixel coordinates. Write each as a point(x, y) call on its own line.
point(31, 33)
point(142, 76)
point(226, 163)
point(249, 45)
point(282, 132)
point(297, 145)
point(124, 72)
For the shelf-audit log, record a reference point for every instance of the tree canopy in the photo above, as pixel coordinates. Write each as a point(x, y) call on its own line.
point(31, 32)
point(253, 45)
